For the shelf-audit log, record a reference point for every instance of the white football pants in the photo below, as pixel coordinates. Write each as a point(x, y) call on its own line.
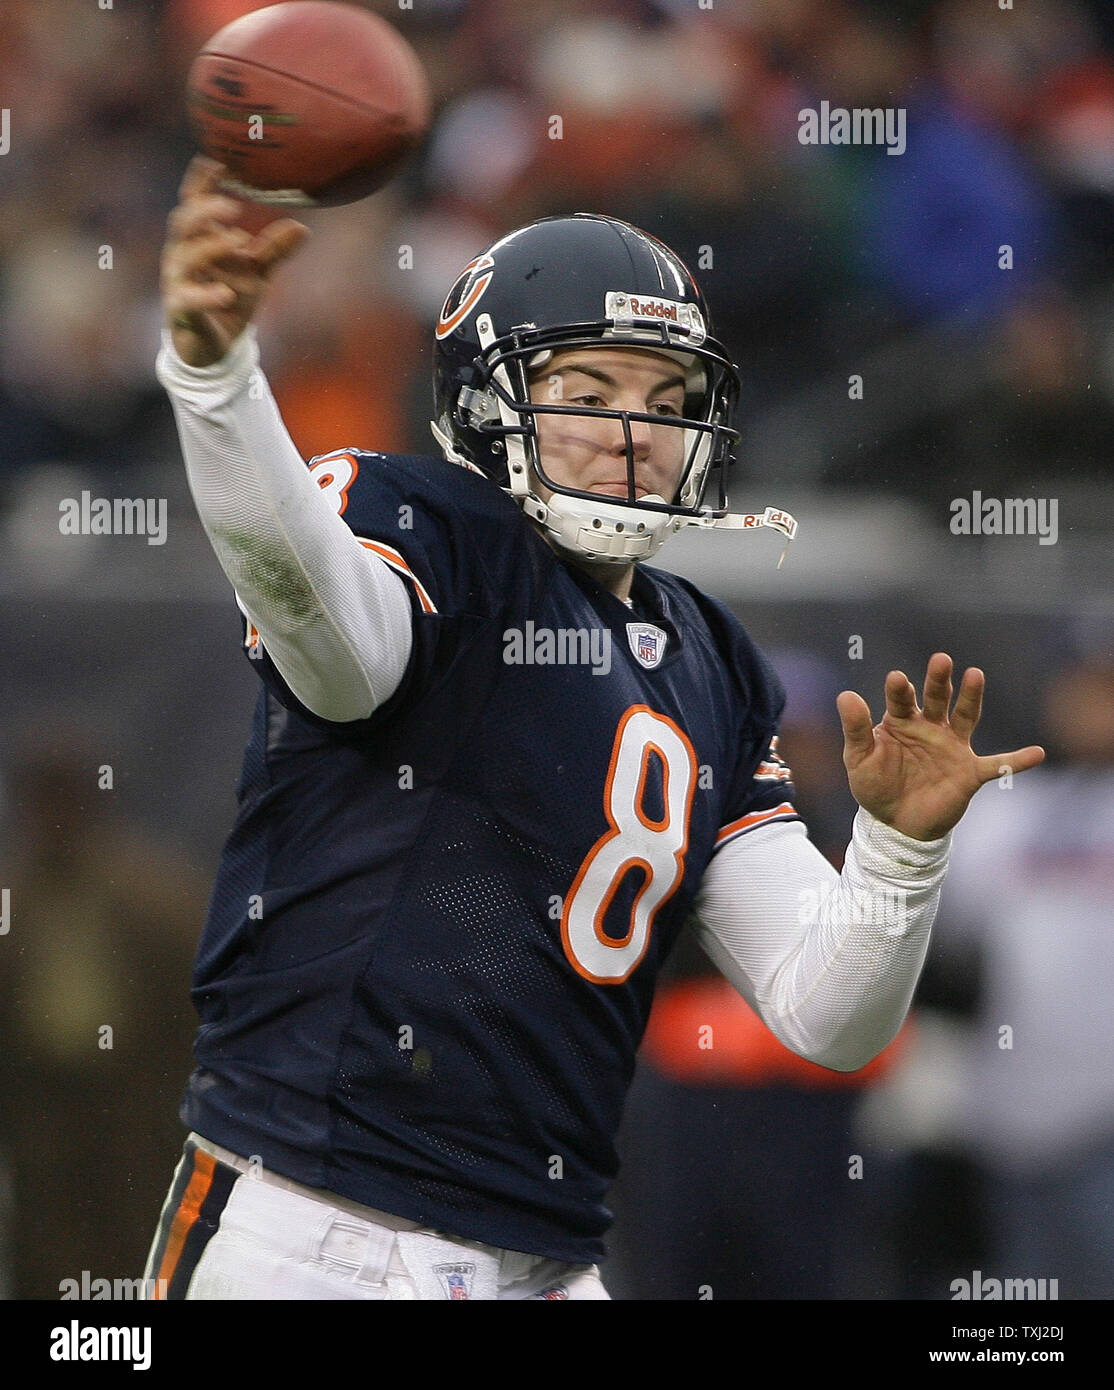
point(270, 1238)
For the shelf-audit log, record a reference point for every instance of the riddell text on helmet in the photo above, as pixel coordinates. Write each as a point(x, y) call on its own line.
point(653, 308)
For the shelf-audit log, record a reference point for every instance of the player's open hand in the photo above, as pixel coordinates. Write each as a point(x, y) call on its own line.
point(916, 770)
point(214, 272)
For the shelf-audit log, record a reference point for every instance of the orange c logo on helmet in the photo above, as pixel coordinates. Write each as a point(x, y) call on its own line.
point(450, 317)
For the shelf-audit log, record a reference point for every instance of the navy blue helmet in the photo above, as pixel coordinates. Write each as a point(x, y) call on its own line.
point(575, 282)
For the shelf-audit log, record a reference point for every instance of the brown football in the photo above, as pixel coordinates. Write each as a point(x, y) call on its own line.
point(308, 102)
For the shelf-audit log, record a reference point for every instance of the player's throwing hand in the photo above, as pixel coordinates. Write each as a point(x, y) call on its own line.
point(214, 272)
point(916, 770)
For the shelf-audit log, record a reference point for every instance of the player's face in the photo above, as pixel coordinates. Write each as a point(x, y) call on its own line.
point(589, 452)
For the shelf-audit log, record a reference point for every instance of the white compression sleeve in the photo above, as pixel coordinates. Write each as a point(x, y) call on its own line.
point(829, 961)
point(335, 620)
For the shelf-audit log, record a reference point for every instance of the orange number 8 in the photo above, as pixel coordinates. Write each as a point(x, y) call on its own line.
point(634, 841)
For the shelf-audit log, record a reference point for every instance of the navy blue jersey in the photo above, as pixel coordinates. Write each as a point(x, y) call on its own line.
point(433, 939)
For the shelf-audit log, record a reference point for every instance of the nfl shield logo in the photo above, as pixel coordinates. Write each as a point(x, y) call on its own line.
point(456, 1280)
point(647, 642)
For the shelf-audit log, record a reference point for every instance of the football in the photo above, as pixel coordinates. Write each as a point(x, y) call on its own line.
point(308, 103)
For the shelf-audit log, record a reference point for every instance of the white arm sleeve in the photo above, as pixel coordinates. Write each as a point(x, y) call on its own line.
point(335, 620)
point(828, 961)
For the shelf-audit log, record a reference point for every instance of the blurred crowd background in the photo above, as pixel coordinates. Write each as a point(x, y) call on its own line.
point(127, 700)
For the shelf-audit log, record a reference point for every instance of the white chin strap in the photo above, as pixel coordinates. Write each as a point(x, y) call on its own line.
point(610, 532)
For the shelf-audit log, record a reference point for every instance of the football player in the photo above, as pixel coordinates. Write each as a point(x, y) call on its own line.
point(497, 763)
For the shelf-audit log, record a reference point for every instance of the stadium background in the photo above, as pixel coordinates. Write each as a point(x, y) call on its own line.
point(126, 699)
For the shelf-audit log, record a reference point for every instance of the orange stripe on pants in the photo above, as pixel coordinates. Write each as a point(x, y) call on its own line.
point(189, 1209)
